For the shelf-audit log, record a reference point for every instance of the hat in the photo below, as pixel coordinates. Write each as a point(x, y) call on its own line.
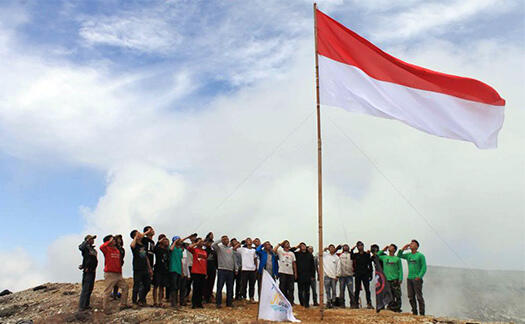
point(173, 239)
point(89, 237)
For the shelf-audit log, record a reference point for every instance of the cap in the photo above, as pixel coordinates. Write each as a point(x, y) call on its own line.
point(88, 237)
point(173, 239)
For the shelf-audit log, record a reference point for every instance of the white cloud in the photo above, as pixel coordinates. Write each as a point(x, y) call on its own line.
point(19, 270)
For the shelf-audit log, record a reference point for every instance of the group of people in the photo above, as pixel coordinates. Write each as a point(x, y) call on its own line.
point(193, 264)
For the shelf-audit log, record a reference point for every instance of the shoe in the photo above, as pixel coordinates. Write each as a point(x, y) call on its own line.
point(219, 306)
point(316, 304)
point(123, 307)
point(306, 306)
point(369, 306)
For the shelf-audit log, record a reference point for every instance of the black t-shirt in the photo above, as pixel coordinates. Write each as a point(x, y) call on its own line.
point(140, 262)
point(162, 256)
point(363, 263)
point(150, 248)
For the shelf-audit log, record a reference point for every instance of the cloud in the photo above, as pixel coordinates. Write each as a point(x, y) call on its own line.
point(19, 270)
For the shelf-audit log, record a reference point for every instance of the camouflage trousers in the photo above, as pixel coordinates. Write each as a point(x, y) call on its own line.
point(395, 287)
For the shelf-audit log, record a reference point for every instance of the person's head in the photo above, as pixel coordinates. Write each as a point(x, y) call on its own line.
point(193, 237)
point(302, 247)
point(331, 248)
point(199, 242)
point(374, 248)
point(109, 238)
point(165, 242)
point(311, 249)
point(233, 242)
point(208, 242)
point(90, 239)
point(149, 231)
point(177, 240)
point(286, 244)
point(360, 246)
point(248, 242)
point(267, 246)
point(133, 233)
point(118, 240)
point(225, 240)
point(414, 245)
point(392, 248)
point(257, 241)
point(209, 237)
point(161, 236)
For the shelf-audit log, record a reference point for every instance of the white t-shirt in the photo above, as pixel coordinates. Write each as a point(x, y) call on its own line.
point(286, 260)
point(248, 256)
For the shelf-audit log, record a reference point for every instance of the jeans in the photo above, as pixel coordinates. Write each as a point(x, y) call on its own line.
point(364, 279)
point(329, 286)
point(211, 269)
point(141, 286)
point(198, 283)
point(348, 283)
point(88, 282)
point(415, 291)
point(395, 287)
point(175, 288)
point(313, 285)
point(286, 285)
point(248, 278)
point(304, 293)
point(225, 277)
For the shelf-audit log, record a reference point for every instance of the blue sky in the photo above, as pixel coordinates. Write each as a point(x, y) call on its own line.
point(118, 114)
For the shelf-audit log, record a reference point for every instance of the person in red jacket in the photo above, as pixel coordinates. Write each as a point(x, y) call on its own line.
point(113, 273)
point(198, 271)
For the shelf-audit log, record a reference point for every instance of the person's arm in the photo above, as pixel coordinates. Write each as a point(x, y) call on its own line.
point(104, 246)
point(294, 270)
point(423, 269)
point(381, 255)
point(215, 245)
point(138, 236)
point(259, 249)
point(150, 270)
point(83, 246)
point(276, 248)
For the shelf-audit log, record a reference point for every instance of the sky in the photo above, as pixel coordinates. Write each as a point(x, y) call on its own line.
point(199, 116)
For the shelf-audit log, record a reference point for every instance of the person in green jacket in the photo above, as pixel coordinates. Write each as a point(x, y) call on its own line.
point(417, 266)
point(393, 271)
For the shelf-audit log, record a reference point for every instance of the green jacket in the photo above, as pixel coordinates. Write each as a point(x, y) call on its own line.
point(417, 265)
point(392, 267)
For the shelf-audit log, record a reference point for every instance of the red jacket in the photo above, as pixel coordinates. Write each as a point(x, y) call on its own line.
point(111, 258)
point(199, 260)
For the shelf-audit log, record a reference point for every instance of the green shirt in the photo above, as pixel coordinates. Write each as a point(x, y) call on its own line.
point(392, 267)
point(417, 265)
point(176, 260)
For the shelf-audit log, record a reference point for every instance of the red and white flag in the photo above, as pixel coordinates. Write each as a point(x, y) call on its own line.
point(357, 76)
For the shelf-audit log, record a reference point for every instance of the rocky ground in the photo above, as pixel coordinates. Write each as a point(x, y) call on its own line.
point(57, 303)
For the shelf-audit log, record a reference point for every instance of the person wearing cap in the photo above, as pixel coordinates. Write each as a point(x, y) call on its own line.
point(89, 268)
point(417, 267)
point(346, 275)
point(175, 270)
point(287, 269)
point(142, 270)
point(113, 273)
point(363, 272)
point(305, 272)
point(248, 269)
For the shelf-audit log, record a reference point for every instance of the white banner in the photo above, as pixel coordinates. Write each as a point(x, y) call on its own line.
point(273, 306)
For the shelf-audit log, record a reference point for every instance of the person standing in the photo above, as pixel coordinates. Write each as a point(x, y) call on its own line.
point(89, 269)
point(248, 269)
point(305, 272)
point(346, 276)
point(226, 270)
point(267, 261)
point(161, 270)
point(417, 267)
point(313, 283)
point(198, 271)
point(175, 272)
point(363, 273)
point(393, 271)
point(238, 265)
point(287, 269)
point(113, 273)
point(142, 271)
point(330, 266)
point(211, 268)
point(119, 244)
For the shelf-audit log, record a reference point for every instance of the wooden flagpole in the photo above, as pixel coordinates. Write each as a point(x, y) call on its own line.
point(319, 173)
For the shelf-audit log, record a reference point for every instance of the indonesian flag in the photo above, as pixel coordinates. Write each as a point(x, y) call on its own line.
point(357, 76)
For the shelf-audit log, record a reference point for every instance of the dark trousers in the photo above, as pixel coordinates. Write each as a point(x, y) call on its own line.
point(176, 293)
point(237, 284)
point(88, 282)
point(198, 284)
point(183, 289)
point(304, 293)
point(141, 286)
point(415, 291)
point(313, 285)
point(225, 277)
point(395, 287)
point(248, 278)
point(286, 285)
point(360, 278)
point(210, 281)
